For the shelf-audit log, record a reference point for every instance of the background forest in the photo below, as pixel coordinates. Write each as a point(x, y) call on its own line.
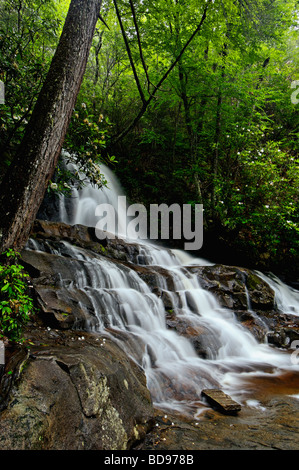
point(188, 102)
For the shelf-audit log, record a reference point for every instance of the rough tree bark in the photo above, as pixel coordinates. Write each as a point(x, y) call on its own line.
point(23, 187)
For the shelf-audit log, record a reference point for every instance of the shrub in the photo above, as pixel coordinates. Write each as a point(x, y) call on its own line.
point(16, 305)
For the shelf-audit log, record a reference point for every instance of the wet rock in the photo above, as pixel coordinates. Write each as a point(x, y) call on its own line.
point(236, 288)
point(261, 295)
point(255, 323)
point(268, 425)
point(283, 329)
point(202, 339)
point(106, 245)
point(284, 337)
point(152, 276)
point(60, 307)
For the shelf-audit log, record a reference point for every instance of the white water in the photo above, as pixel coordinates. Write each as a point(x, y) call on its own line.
point(84, 202)
point(287, 298)
point(124, 303)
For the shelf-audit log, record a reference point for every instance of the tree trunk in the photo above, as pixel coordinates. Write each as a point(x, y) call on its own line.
point(191, 134)
point(215, 156)
point(23, 187)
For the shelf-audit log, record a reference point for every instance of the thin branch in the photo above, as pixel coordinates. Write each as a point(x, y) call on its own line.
point(104, 22)
point(182, 51)
point(139, 45)
point(145, 104)
point(129, 53)
point(97, 52)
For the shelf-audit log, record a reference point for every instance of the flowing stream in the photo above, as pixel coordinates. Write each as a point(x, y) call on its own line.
point(128, 311)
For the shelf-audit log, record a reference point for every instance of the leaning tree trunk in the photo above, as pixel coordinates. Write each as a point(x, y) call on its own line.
point(23, 187)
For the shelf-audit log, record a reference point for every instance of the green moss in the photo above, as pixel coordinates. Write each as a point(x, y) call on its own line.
point(253, 281)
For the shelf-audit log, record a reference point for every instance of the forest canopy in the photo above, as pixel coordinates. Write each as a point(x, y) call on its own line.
point(189, 102)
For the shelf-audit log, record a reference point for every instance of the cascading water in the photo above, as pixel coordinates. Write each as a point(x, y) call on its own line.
point(287, 298)
point(81, 206)
point(127, 310)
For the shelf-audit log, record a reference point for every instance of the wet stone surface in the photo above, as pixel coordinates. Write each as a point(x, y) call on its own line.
point(273, 425)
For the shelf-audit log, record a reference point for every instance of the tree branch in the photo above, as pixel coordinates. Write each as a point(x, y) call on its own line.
point(139, 45)
point(129, 53)
point(115, 139)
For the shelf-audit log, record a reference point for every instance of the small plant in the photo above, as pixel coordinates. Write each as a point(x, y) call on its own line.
point(15, 304)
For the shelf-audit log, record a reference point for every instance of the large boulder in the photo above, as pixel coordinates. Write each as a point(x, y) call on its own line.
point(72, 393)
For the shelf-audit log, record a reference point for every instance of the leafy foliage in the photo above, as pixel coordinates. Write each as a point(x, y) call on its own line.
point(221, 130)
point(16, 306)
point(29, 33)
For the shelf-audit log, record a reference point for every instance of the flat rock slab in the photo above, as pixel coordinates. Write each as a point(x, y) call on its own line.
point(221, 401)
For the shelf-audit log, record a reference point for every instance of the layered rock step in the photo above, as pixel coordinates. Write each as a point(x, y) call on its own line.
point(238, 289)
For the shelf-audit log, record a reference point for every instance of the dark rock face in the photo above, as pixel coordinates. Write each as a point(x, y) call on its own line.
point(60, 307)
point(85, 237)
point(236, 288)
point(75, 394)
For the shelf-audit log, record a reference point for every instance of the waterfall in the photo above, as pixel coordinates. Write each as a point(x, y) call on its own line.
point(81, 207)
point(287, 298)
point(132, 315)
